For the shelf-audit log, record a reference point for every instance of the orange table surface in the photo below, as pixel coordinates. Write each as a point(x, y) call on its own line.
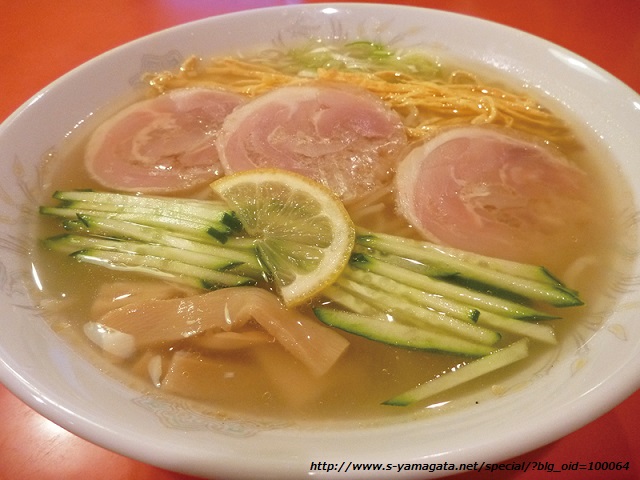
point(41, 40)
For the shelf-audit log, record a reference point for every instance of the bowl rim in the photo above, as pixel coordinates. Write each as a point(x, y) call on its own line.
point(620, 383)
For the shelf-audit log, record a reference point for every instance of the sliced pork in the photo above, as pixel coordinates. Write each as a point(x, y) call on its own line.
point(346, 139)
point(486, 191)
point(163, 144)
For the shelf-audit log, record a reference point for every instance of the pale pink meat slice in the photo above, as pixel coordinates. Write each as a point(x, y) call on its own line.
point(482, 190)
point(162, 144)
point(346, 139)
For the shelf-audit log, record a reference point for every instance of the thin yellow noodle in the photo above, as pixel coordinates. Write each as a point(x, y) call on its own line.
point(361, 214)
point(424, 105)
point(229, 73)
point(455, 104)
point(375, 196)
point(371, 211)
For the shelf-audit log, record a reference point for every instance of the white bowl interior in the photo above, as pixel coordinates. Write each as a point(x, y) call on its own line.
point(55, 380)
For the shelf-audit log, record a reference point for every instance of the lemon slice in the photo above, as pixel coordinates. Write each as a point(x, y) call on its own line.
point(304, 235)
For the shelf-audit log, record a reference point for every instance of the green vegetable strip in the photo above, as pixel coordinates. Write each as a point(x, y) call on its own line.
point(499, 323)
point(186, 241)
point(416, 296)
point(535, 331)
point(430, 270)
point(214, 259)
point(549, 291)
point(114, 227)
point(161, 267)
point(453, 256)
point(377, 327)
point(188, 227)
point(122, 211)
point(418, 316)
point(126, 203)
point(470, 371)
point(339, 295)
point(461, 294)
point(240, 248)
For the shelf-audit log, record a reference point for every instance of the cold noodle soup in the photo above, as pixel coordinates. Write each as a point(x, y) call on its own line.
point(328, 232)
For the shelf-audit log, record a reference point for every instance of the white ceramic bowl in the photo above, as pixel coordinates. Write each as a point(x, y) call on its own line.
point(52, 378)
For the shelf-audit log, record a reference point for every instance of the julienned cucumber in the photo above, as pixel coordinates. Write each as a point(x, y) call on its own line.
point(409, 313)
point(528, 281)
point(426, 299)
point(194, 228)
point(470, 371)
point(432, 253)
point(368, 292)
point(174, 270)
point(213, 258)
point(197, 229)
point(186, 241)
point(203, 210)
point(408, 293)
point(386, 266)
point(126, 230)
point(379, 328)
point(196, 218)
